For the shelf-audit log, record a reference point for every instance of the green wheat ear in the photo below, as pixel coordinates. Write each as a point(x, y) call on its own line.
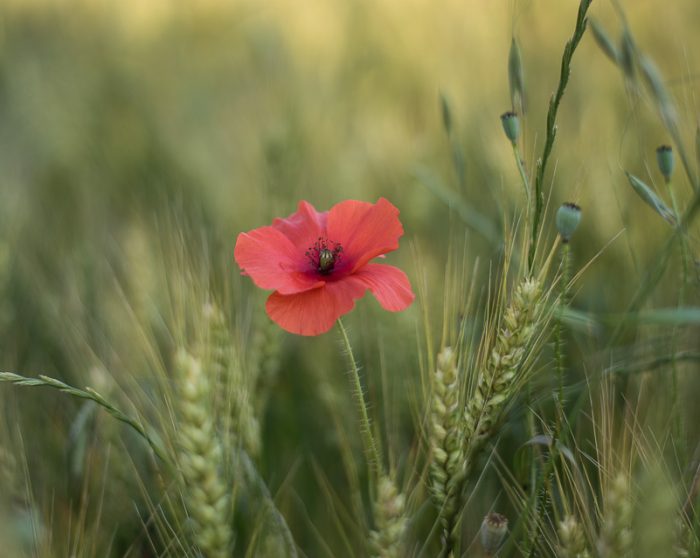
point(503, 372)
point(615, 538)
point(232, 397)
point(459, 433)
point(447, 465)
point(264, 361)
point(572, 539)
point(390, 520)
point(200, 461)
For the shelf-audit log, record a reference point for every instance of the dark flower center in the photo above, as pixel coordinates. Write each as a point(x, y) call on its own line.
point(323, 255)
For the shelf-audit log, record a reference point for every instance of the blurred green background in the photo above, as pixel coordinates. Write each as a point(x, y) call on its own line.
point(137, 139)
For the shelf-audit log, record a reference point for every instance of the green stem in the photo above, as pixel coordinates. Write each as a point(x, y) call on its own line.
point(551, 129)
point(558, 331)
point(374, 460)
point(523, 173)
point(92, 395)
point(685, 278)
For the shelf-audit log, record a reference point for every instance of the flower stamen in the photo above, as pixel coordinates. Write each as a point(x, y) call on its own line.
point(324, 255)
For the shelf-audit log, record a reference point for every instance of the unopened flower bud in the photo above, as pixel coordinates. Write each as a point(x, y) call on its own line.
point(665, 160)
point(568, 219)
point(511, 125)
point(493, 530)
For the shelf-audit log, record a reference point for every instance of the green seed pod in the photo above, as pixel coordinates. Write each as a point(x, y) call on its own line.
point(493, 530)
point(603, 41)
point(655, 83)
point(627, 56)
point(568, 218)
point(511, 126)
point(652, 199)
point(653, 79)
point(665, 160)
point(446, 114)
point(516, 77)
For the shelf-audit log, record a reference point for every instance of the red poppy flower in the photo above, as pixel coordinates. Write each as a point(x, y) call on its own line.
point(318, 264)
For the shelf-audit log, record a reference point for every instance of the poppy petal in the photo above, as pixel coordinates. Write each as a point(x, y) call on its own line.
point(364, 230)
point(314, 312)
point(273, 262)
point(389, 285)
point(304, 227)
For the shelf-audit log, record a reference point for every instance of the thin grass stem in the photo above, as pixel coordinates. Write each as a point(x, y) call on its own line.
point(551, 128)
point(92, 395)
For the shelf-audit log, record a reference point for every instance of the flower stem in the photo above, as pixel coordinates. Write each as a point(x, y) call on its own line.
point(374, 460)
point(558, 329)
point(685, 280)
point(523, 173)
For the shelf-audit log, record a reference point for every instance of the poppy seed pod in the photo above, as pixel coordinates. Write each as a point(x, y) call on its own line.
point(568, 219)
point(493, 530)
point(511, 125)
point(665, 160)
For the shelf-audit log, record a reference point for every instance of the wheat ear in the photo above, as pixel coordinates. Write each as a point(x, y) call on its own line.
point(200, 461)
point(447, 435)
point(390, 520)
point(572, 539)
point(498, 380)
point(233, 389)
point(615, 538)
point(503, 372)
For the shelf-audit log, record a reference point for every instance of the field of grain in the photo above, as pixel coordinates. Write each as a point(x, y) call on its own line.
point(528, 388)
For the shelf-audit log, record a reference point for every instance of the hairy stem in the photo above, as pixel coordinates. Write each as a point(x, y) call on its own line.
point(559, 328)
point(374, 460)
